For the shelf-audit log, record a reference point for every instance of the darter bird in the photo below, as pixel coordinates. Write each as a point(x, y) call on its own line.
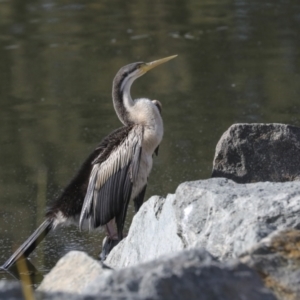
point(114, 173)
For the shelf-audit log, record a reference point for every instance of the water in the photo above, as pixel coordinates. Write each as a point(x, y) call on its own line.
point(238, 61)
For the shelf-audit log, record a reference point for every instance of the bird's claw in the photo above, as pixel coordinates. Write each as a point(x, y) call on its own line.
point(108, 244)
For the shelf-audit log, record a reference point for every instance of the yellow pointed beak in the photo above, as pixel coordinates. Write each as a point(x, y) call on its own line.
point(148, 66)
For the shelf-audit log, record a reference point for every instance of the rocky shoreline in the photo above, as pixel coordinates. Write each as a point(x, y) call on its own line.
point(232, 237)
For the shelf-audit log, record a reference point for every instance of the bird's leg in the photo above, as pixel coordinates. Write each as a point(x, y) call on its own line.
point(111, 230)
point(110, 241)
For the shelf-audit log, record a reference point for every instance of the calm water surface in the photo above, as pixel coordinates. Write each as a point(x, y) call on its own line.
point(239, 61)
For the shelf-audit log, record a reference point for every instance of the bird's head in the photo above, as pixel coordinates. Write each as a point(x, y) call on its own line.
point(123, 102)
point(129, 73)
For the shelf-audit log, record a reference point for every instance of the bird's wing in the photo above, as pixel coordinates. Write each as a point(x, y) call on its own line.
point(71, 200)
point(111, 180)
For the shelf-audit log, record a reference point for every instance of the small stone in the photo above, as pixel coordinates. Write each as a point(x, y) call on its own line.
point(72, 273)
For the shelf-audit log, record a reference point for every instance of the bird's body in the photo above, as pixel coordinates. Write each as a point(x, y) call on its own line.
point(115, 173)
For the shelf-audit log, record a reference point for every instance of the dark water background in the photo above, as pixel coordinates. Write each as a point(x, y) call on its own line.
point(239, 61)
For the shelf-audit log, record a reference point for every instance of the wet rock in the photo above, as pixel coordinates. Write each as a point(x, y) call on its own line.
point(277, 259)
point(11, 290)
point(72, 273)
point(190, 274)
point(258, 152)
point(218, 214)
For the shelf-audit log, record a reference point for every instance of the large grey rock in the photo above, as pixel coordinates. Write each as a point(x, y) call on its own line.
point(218, 214)
point(277, 259)
point(258, 152)
point(192, 274)
point(152, 233)
point(72, 273)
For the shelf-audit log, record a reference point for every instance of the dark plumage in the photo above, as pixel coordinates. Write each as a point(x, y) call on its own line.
point(75, 191)
point(111, 198)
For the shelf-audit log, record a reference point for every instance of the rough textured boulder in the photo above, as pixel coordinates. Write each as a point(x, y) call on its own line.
point(192, 274)
point(72, 273)
point(218, 214)
point(258, 152)
point(277, 260)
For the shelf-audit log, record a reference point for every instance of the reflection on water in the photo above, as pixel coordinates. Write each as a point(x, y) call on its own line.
point(238, 62)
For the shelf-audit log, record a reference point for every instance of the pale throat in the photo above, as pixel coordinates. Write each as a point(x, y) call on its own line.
point(142, 111)
point(125, 88)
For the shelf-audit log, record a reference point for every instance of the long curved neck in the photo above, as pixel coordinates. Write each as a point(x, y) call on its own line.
point(122, 100)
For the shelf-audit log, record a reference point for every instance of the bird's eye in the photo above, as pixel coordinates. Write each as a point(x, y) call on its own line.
point(158, 105)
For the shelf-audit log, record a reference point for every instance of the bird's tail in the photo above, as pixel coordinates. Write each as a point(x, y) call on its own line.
point(30, 244)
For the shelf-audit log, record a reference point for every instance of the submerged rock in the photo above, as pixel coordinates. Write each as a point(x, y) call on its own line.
point(190, 274)
point(258, 152)
point(217, 214)
point(277, 259)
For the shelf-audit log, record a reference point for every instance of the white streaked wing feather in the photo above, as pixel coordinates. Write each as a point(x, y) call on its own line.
point(120, 157)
